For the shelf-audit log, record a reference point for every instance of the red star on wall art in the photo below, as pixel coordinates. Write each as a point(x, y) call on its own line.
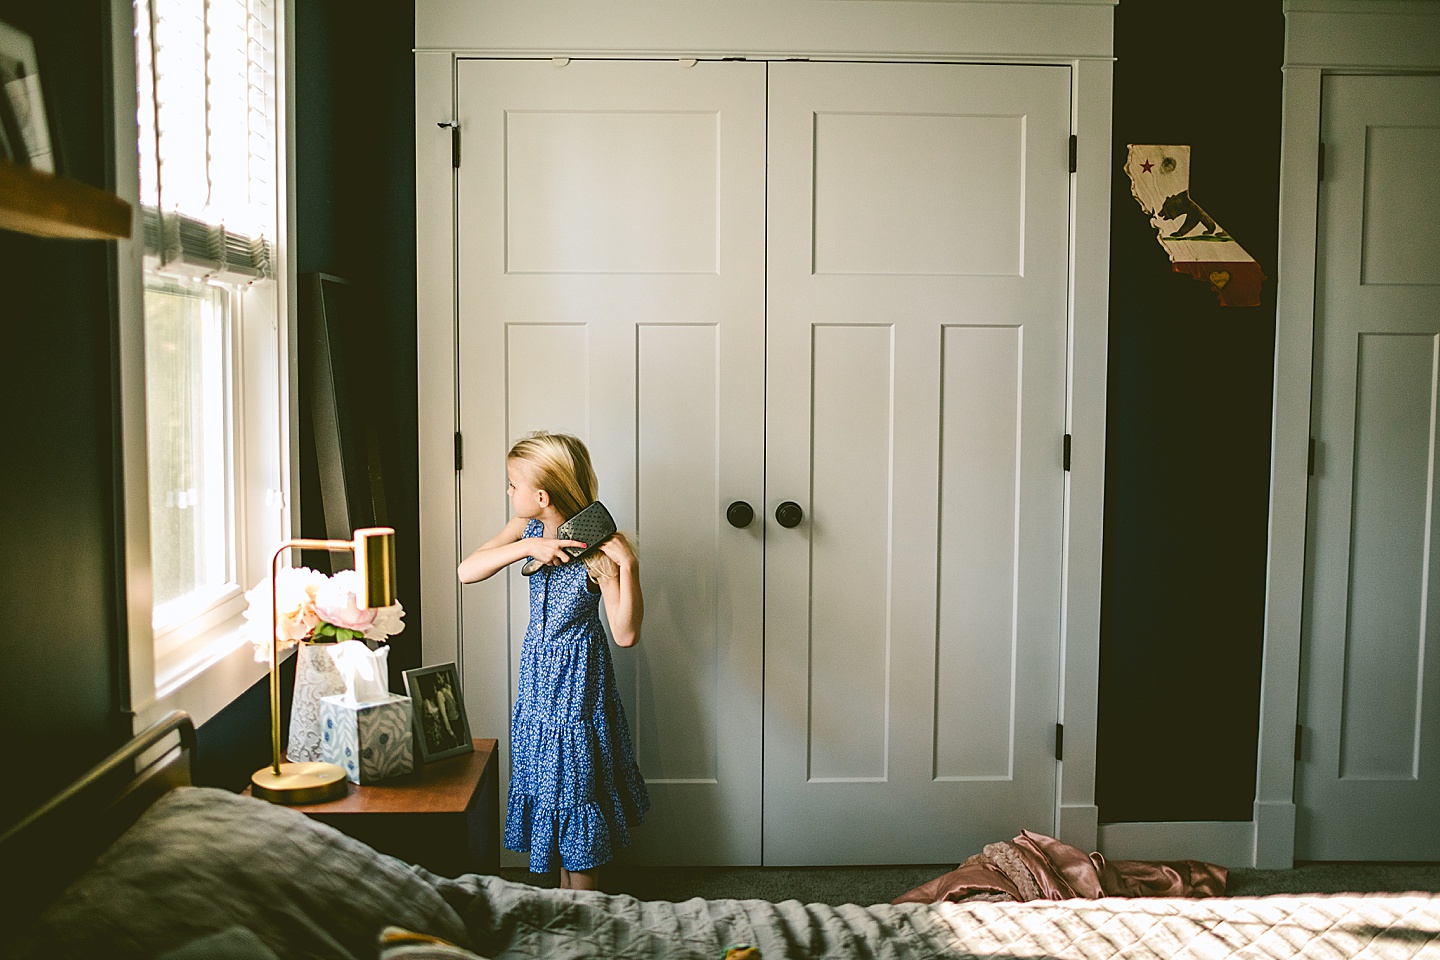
point(1196, 244)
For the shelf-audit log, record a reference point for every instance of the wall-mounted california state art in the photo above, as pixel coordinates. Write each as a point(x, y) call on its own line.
point(1194, 242)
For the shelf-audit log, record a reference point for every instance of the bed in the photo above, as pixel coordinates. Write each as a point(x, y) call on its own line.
point(153, 867)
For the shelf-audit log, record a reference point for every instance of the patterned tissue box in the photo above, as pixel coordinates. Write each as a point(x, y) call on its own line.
point(371, 740)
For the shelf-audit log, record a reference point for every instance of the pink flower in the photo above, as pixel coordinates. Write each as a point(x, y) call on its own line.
point(387, 622)
point(311, 603)
point(336, 602)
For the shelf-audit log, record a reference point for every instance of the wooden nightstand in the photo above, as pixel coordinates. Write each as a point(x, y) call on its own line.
point(444, 817)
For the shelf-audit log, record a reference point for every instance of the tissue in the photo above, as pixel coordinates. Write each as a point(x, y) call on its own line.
point(366, 729)
point(365, 671)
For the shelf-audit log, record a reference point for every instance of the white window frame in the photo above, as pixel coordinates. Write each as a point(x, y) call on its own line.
point(207, 662)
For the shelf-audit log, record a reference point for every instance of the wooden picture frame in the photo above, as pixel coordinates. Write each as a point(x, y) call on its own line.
point(441, 727)
point(24, 116)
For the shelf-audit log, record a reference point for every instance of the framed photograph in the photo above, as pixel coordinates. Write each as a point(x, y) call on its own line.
point(439, 711)
point(22, 113)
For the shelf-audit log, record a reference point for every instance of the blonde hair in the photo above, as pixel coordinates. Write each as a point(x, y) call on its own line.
point(560, 465)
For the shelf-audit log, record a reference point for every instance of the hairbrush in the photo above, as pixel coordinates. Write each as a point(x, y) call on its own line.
point(591, 526)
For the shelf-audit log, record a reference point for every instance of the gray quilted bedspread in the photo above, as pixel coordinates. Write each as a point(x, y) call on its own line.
point(551, 925)
point(202, 861)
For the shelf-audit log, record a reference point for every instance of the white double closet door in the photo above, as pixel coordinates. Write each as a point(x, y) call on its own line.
point(837, 285)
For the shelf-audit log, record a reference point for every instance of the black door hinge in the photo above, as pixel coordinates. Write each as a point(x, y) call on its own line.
point(1298, 752)
point(1065, 456)
point(1310, 459)
point(1320, 164)
point(1059, 741)
point(1074, 150)
point(454, 127)
point(459, 451)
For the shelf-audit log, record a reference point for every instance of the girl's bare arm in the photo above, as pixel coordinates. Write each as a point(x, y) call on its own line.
point(495, 554)
point(509, 545)
point(624, 604)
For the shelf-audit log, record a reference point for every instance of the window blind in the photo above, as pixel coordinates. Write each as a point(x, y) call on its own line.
point(207, 124)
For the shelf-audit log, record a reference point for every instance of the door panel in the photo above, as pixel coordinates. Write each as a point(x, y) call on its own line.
point(977, 643)
point(680, 412)
point(888, 200)
point(850, 439)
point(611, 191)
point(917, 318)
point(1368, 784)
point(611, 258)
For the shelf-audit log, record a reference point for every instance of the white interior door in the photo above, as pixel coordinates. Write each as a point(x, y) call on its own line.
point(1368, 784)
point(611, 285)
point(917, 318)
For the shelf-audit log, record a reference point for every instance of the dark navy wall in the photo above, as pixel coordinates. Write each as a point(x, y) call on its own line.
point(1188, 423)
point(1189, 401)
point(355, 206)
point(59, 678)
point(355, 218)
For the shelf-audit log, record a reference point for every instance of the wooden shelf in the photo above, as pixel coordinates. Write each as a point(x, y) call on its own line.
point(48, 206)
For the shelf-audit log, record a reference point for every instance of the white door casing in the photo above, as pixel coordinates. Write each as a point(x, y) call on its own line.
point(1074, 36)
point(1322, 37)
point(1368, 783)
point(917, 336)
point(610, 256)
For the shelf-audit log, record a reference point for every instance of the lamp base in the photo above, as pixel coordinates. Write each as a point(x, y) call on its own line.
point(299, 783)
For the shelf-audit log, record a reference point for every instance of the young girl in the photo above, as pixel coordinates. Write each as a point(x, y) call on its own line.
point(575, 789)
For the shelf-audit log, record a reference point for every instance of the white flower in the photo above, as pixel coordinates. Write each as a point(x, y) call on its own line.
point(295, 590)
point(308, 601)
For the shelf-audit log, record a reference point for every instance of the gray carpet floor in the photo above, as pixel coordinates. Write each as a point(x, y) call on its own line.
point(866, 885)
point(1336, 878)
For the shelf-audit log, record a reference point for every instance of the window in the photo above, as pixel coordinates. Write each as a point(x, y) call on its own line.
point(204, 342)
point(188, 365)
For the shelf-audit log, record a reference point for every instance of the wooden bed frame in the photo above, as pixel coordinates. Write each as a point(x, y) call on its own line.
point(47, 850)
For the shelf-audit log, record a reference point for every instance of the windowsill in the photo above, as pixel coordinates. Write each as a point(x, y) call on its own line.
point(209, 682)
point(209, 629)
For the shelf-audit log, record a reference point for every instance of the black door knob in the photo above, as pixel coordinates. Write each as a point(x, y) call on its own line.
point(740, 514)
point(789, 514)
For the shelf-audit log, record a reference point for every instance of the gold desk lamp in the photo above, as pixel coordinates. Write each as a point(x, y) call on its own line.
point(296, 783)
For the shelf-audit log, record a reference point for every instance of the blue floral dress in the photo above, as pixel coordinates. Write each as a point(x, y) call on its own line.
point(575, 788)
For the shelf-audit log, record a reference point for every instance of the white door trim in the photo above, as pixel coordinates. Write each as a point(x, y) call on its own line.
point(1321, 36)
point(962, 30)
point(1077, 33)
point(1078, 817)
point(1224, 842)
point(437, 351)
